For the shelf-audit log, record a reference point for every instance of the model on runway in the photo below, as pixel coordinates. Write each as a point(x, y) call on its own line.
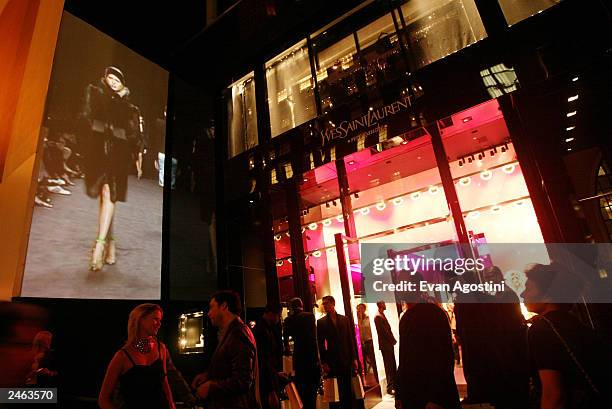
point(112, 146)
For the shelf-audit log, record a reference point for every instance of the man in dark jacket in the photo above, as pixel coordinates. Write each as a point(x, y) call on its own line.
point(386, 342)
point(269, 356)
point(300, 327)
point(337, 349)
point(231, 381)
point(426, 362)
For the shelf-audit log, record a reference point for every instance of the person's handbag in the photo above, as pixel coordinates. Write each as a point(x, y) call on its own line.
point(330, 390)
point(357, 385)
point(295, 402)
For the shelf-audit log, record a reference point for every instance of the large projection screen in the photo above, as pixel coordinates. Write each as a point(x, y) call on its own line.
point(97, 219)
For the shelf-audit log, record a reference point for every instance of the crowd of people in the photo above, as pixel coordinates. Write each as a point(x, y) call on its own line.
point(550, 361)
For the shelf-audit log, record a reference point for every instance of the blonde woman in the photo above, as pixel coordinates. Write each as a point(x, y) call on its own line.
point(139, 368)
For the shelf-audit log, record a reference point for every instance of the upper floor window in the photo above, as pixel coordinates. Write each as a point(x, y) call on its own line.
point(290, 89)
point(241, 115)
point(518, 10)
point(437, 28)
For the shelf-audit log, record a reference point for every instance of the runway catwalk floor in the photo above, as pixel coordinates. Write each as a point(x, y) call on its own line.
point(61, 238)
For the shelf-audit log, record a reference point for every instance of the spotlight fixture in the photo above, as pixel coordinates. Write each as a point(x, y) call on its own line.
point(340, 218)
point(461, 162)
point(570, 114)
point(496, 209)
point(381, 206)
point(434, 190)
point(351, 162)
point(327, 204)
point(480, 156)
point(327, 222)
point(574, 79)
point(356, 195)
point(316, 253)
point(334, 203)
point(303, 229)
point(398, 201)
point(277, 237)
point(289, 261)
point(364, 210)
point(572, 98)
point(569, 139)
point(470, 159)
point(312, 226)
point(331, 250)
point(509, 168)
point(504, 148)
point(279, 263)
point(570, 128)
point(493, 151)
point(465, 181)
point(415, 195)
point(486, 175)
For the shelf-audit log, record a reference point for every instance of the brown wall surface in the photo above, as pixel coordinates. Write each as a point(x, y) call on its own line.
point(28, 35)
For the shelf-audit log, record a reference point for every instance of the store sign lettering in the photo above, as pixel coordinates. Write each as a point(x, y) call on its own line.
point(370, 119)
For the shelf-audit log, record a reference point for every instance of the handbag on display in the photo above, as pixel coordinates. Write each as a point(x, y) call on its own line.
point(295, 402)
point(357, 386)
point(330, 390)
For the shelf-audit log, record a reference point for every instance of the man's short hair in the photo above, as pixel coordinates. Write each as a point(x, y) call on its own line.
point(329, 298)
point(296, 303)
point(555, 283)
point(380, 303)
point(273, 307)
point(230, 298)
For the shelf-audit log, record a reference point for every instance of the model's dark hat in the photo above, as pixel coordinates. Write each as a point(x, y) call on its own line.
point(116, 72)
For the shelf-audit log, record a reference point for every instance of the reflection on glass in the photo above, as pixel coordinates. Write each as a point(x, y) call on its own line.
point(290, 89)
point(242, 115)
point(517, 10)
point(437, 28)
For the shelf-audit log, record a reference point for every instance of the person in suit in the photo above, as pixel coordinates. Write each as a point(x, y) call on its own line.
point(300, 326)
point(269, 356)
point(386, 342)
point(231, 381)
point(338, 351)
point(425, 375)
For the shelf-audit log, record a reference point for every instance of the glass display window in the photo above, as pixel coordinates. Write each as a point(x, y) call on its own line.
point(289, 81)
point(519, 10)
point(436, 28)
point(490, 185)
point(241, 115)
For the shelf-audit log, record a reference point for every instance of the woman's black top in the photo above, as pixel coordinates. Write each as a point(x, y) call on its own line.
point(141, 386)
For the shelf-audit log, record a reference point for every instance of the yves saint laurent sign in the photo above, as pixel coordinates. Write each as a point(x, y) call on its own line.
point(373, 118)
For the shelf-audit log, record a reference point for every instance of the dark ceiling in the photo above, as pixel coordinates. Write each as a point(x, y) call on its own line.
point(174, 35)
point(153, 29)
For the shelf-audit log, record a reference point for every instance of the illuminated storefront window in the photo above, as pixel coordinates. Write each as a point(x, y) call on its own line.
point(518, 10)
point(290, 89)
point(241, 115)
point(489, 181)
point(437, 28)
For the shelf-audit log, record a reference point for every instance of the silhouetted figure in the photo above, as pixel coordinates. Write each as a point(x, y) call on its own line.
point(337, 350)
point(367, 343)
point(269, 356)
point(386, 344)
point(493, 338)
point(425, 376)
point(300, 326)
point(570, 364)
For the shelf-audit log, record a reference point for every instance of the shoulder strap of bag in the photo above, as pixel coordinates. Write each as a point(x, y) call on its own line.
point(571, 354)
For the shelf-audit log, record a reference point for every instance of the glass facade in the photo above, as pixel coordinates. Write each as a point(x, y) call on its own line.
point(290, 89)
point(434, 29)
point(241, 115)
point(518, 10)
